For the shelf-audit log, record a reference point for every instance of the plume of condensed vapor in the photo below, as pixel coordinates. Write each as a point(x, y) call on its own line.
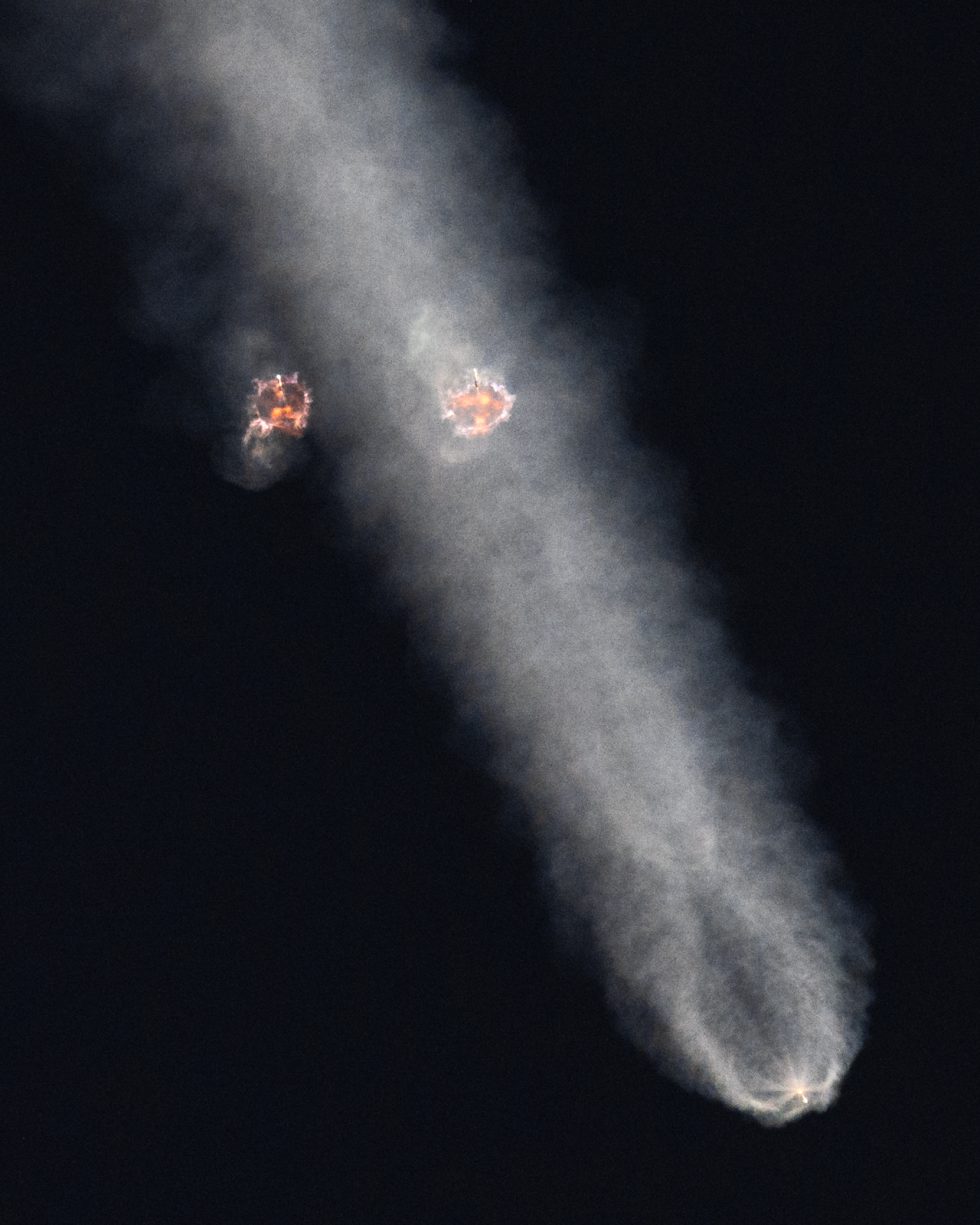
point(311, 190)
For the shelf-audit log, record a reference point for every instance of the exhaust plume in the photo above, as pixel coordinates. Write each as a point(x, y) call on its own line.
point(309, 190)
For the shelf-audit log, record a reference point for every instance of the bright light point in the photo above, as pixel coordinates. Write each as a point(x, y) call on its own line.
point(477, 407)
point(797, 1097)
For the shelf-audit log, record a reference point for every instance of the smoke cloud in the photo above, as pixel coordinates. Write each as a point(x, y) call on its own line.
point(309, 189)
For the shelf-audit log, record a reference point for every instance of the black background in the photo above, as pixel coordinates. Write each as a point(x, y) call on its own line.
point(272, 949)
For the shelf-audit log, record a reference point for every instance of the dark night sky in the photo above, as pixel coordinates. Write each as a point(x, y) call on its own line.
point(272, 948)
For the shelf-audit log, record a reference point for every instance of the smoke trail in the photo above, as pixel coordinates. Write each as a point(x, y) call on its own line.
point(368, 227)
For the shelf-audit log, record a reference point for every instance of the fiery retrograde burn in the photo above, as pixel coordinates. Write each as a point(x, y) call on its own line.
point(280, 403)
point(477, 408)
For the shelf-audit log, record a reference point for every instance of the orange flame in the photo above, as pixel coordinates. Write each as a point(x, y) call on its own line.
point(280, 403)
point(477, 408)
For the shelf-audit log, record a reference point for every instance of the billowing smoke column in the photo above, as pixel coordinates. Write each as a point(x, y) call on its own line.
point(362, 221)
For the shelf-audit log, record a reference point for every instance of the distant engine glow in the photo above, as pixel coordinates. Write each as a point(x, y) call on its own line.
point(280, 403)
point(478, 407)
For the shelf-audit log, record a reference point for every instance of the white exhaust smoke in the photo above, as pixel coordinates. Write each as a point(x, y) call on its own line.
point(309, 191)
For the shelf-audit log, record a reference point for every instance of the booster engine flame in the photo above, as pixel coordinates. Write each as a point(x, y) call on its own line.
point(478, 407)
point(280, 403)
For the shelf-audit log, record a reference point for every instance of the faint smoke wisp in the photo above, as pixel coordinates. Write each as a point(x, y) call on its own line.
point(309, 189)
